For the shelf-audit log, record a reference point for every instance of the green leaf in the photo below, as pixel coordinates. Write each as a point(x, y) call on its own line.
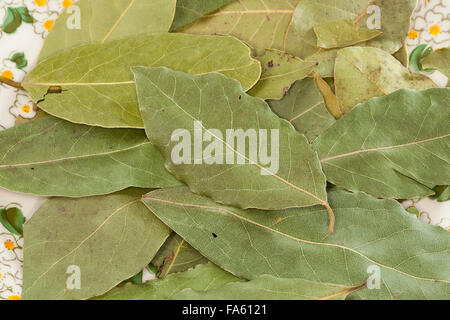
point(108, 239)
point(279, 71)
point(19, 59)
point(393, 17)
point(173, 100)
point(304, 107)
point(49, 156)
point(291, 243)
point(260, 23)
point(12, 21)
point(402, 55)
point(12, 219)
point(416, 57)
point(268, 287)
point(94, 21)
point(176, 255)
point(395, 146)
point(190, 10)
point(440, 60)
point(97, 84)
point(25, 14)
point(208, 282)
point(342, 33)
point(364, 73)
point(203, 277)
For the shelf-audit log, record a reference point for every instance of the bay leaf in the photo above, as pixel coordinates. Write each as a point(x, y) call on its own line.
point(196, 284)
point(52, 157)
point(327, 88)
point(97, 86)
point(342, 33)
point(442, 193)
point(279, 71)
point(363, 73)
point(402, 55)
point(396, 146)
point(96, 242)
point(372, 235)
point(260, 23)
point(190, 10)
point(176, 255)
point(304, 107)
point(393, 18)
point(390, 17)
point(268, 287)
point(177, 106)
point(203, 277)
point(98, 21)
point(439, 60)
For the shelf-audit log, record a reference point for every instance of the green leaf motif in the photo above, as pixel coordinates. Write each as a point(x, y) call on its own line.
point(25, 14)
point(12, 219)
point(52, 157)
point(98, 21)
point(364, 73)
point(97, 83)
point(172, 100)
point(114, 233)
point(439, 60)
point(442, 193)
point(19, 59)
point(12, 21)
point(396, 146)
point(279, 71)
point(201, 278)
point(176, 255)
point(291, 243)
point(190, 10)
point(342, 33)
point(260, 23)
point(304, 107)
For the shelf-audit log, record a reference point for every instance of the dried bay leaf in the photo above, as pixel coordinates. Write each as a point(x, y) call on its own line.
point(260, 23)
point(279, 71)
point(176, 255)
point(200, 278)
point(109, 239)
point(190, 10)
point(439, 60)
point(327, 88)
point(97, 86)
point(98, 21)
point(342, 33)
point(394, 22)
point(172, 100)
point(291, 243)
point(396, 146)
point(193, 285)
point(363, 73)
point(392, 17)
point(304, 107)
point(402, 55)
point(52, 157)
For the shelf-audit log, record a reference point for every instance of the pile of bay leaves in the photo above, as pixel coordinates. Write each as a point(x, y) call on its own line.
point(317, 215)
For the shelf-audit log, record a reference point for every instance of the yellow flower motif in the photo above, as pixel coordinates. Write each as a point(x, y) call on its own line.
point(9, 244)
point(413, 34)
point(26, 108)
point(435, 30)
point(49, 24)
point(7, 74)
point(14, 297)
point(40, 3)
point(67, 3)
point(0, 275)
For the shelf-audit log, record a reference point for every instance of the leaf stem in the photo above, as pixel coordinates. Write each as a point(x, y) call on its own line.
point(332, 218)
point(11, 83)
